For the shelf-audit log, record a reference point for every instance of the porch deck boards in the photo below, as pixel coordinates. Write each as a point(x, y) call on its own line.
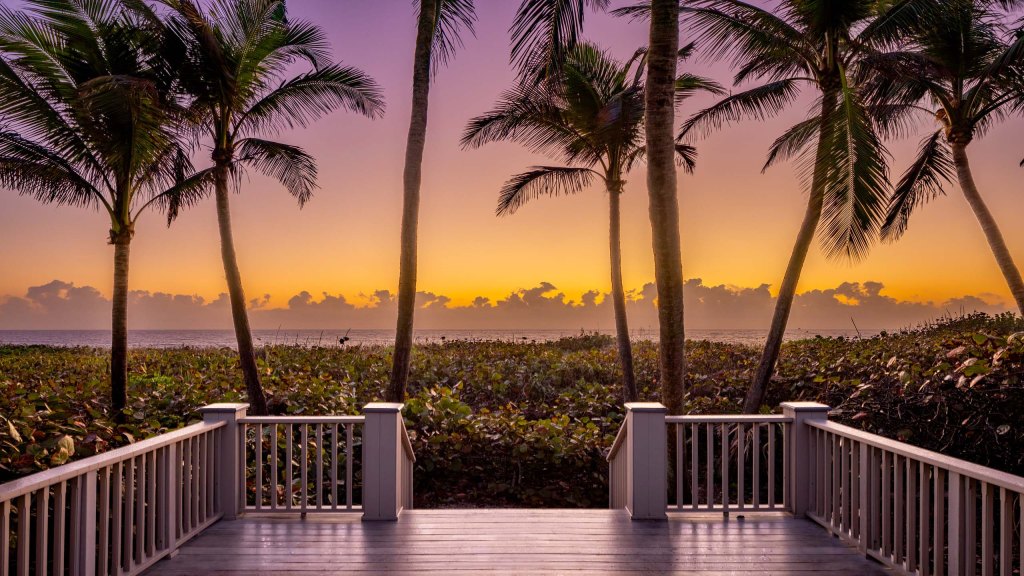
point(470, 541)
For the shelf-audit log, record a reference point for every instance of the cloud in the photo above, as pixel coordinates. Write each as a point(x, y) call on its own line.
point(62, 305)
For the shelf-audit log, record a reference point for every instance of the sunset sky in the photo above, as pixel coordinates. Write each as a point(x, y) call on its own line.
point(737, 224)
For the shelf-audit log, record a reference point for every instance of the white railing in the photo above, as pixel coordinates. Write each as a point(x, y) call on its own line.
point(301, 463)
point(914, 509)
point(114, 513)
point(119, 512)
point(725, 463)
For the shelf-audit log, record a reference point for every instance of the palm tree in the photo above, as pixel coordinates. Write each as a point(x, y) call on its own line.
point(590, 114)
point(238, 69)
point(85, 120)
point(663, 201)
point(963, 71)
point(544, 31)
point(816, 45)
point(439, 25)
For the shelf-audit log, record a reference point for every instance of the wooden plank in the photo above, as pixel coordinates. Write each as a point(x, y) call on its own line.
point(911, 514)
point(1005, 532)
point(304, 466)
point(258, 466)
point(140, 510)
point(42, 535)
point(60, 491)
point(334, 466)
point(274, 474)
point(887, 506)
point(350, 451)
point(988, 521)
point(771, 466)
point(924, 520)
point(680, 461)
point(319, 466)
point(151, 503)
point(24, 534)
point(741, 462)
point(5, 537)
point(288, 488)
point(725, 466)
point(939, 531)
point(694, 468)
point(709, 468)
point(756, 464)
point(117, 516)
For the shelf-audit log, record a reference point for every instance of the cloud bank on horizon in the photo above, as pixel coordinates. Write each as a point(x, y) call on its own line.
point(60, 305)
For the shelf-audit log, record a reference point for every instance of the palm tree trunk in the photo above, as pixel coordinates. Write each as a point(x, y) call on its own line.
point(787, 292)
point(415, 144)
point(988, 224)
point(663, 203)
point(629, 393)
point(119, 328)
point(243, 335)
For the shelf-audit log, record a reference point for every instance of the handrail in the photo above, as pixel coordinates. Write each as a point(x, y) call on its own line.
point(407, 444)
point(728, 419)
point(303, 419)
point(22, 486)
point(620, 437)
point(975, 471)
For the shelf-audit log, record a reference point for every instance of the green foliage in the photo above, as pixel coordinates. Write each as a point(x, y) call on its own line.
point(528, 424)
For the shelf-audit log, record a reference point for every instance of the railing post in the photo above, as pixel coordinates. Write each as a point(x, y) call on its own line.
point(802, 483)
point(86, 554)
point(646, 464)
point(382, 449)
point(227, 464)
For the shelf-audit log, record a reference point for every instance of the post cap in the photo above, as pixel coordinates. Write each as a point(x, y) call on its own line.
point(646, 407)
point(224, 408)
point(379, 407)
point(805, 407)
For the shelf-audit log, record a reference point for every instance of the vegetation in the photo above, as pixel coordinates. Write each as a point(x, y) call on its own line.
point(589, 114)
point(531, 423)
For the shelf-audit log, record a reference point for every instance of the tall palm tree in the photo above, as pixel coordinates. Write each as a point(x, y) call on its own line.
point(590, 114)
point(238, 69)
point(544, 31)
point(439, 25)
point(85, 120)
point(663, 201)
point(806, 44)
point(966, 72)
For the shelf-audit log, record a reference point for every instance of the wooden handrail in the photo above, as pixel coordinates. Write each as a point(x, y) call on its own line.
point(303, 419)
point(620, 437)
point(28, 484)
point(407, 444)
point(963, 467)
point(728, 419)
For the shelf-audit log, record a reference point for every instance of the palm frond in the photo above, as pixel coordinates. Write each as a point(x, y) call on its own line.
point(687, 157)
point(37, 171)
point(544, 31)
point(793, 142)
point(856, 179)
point(757, 103)
point(453, 18)
point(542, 181)
point(689, 84)
point(922, 182)
point(290, 165)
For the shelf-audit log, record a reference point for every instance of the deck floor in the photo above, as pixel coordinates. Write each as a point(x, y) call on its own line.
point(516, 542)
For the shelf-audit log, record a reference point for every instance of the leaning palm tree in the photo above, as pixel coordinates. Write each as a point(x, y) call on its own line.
point(965, 71)
point(237, 66)
point(806, 44)
point(85, 120)
point(589, 114)
point(439, 25)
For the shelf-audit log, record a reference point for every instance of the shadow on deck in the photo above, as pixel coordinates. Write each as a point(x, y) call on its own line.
point(517, 542)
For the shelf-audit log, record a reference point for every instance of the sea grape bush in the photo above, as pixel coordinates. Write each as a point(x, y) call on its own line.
point(529, 424)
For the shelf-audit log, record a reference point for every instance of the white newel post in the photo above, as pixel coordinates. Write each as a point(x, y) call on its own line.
point(382, 448)
point(228, 462)
point(646, 464)
point(801, 476)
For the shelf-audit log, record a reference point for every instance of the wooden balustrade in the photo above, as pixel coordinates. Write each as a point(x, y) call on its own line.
point(725, 463)
point(115, 513)
point(301, 463)
point(914, 509)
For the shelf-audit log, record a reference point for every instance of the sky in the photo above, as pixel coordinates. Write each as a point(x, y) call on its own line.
point(737, 224)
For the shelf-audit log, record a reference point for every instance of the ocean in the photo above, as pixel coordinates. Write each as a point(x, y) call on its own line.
point(226, 338)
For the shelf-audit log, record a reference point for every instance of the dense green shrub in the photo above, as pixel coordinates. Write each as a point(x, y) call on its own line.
point(528, 424)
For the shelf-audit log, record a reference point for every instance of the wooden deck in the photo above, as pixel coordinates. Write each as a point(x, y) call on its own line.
point(516, 542)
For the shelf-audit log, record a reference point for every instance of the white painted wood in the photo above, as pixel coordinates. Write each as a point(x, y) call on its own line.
point(800, 476)
point(350, 452)
point(381, 452)
point(646, 473)
point(228, 482)
point(5, 538)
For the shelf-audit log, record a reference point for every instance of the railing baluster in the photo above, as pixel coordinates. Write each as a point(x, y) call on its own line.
point(334, 467)
point(151, 506)
point(923, 522)
point(24, 531)
point(987, 522)
point(755, 477)
point(210, 466)
point(680, 466)
point(725, 467)
point(971, 526)
point(862, 472)
point(350, 451)
point(273, 467)
point(116, 515)
point(5, 537)
point(304, 463)
point(939, 526)
point(288, 488)
point(103, 508)
point(259, 466)
point(1020, 528)
point(771, 466)
point(844, 485)
point(140, 509)
point(710, 466)
point(741, 457)
point(899, 509)
point(42, 529)
point(1005, 532)
point(319, 466)
point(195, 483)
point(129, 514)
point(911, 517)
point(887, 504)
point(694, 466)
point(955, 535)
